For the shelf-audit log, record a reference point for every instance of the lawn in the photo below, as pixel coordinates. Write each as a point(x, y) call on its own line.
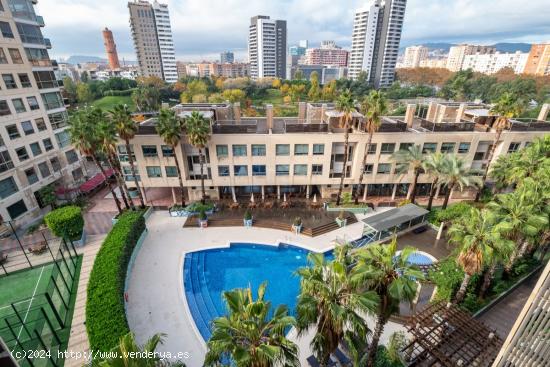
point(273, 96)
point(108, 102)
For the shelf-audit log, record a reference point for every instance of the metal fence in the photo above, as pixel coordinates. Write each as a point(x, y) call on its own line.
point(36, 329)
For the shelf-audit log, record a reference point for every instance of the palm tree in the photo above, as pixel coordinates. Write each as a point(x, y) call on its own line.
point(169, 127)
point(84, 137)
point(455, 174)
point(373, 107)
point(478, 236)
point(434, 167)
point(407, 159)
point(505, 108)
point(332, 302)
point(126, 129)
point(250, 335)
point(502, 168)
point(344, 104)
point(197, 129)
point(129, 354)
point(381, 269)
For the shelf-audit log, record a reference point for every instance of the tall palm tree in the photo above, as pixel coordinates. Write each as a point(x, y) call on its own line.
point(250, 335)
point(169, 127)
point(332, 302)
point(344, 104)
point(373, 107)
point(197, 129)
point(478, 237)
point(107, 135)
point(502, 168)
point(128, 353)
point(505, 108)
point(434, 167)
point(392, 277)
point(126, 129)
point(457, 175)
point(412, 158)
point(84, 137)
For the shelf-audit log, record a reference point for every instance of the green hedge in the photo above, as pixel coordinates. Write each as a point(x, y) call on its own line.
point(105, 315)
point(452, 213)
point(66, 221)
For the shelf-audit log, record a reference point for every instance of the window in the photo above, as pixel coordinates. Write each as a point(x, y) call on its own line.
point(429, 148)
point(30, 33)
point(282, 149)
point(4, 108)
point(239, 150)
point(240, 170)
point(44, 169)
point(13, 131)
point(7, 187)
point(56, 165)
point(300, 169)
point(52, 100)
point(9, 81)
point(3, 58)
point(258, 150)
point(6, 30)
point(47, 144)
point(387, 148)
point(316, 169)
point(24, 80)
point(40, 124)
point(282, 170)
point(5, 161)
point(463, 148)
point(22, 154)
point(33, 103)
point(77, 174)
point(58, 120)
point(153, 171)
point(258, 170)
point(38, 56)
point(405, 146)
point(222, 151)
point(22, 9)
point(167, 151)
point(369, 168)
point(447, 147)
point(372, 149)
point(35, 149)
point(171, 171)
point(149, 151)
point(384, 168)
point(17, 209)
point(318, 149)
point(45, 79)
point(301, 149)
point(15, 56)
point(63, 139)
point(19, 105)
point(32, 177)
point(223, 171)
point(71, 156)
point(513, 147)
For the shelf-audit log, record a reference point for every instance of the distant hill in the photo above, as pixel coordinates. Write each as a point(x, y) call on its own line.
point(501, 47)
point(80, 59)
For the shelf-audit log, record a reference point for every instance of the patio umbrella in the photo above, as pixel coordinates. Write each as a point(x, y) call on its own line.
point(315, 198)
point(284, 197)
point(252, 197)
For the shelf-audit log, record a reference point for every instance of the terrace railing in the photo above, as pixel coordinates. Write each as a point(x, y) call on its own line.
point(447, 126)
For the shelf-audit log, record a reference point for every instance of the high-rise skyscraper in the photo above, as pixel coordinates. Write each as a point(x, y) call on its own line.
point(35, 146)
point(110, 48)
point(152, 34)
point(227, 57)
point(267, 47)
point(375, 41)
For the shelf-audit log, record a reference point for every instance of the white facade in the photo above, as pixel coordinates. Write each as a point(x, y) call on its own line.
point(363, 39)
point(267, 47)
point(166, 44)
point(458, 53)
point(492, 63)
point(414, 56)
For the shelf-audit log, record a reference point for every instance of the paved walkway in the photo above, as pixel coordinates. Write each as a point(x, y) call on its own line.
point(78, 340)
point(156, 296)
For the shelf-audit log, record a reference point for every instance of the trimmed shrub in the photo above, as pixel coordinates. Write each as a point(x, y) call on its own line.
point(66, 222)
point(106, 319)
point(450, 214)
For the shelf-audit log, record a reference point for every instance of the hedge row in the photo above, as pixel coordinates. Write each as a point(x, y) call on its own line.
point(105, 315)
point(127, 92)
point(66, 221)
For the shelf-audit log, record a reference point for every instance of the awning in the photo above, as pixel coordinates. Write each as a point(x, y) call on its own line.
point(95, 181)
point(394, 217)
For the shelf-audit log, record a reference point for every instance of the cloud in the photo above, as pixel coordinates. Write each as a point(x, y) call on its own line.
point(203, 28)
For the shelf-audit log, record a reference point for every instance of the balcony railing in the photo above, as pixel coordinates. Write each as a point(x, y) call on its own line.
point(392, 126)
point(529, 125)
point(40, 21)
point(48, 43)
point(297, 127)
point(447, 126)
point(233, 127)
point(42, 63)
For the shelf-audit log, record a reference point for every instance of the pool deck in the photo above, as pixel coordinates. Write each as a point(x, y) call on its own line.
point(156, 299)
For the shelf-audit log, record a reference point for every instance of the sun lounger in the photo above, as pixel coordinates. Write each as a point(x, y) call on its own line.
point(342, 358)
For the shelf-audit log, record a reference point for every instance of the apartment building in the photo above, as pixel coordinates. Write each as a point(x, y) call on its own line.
point(152, 35)
point(457, 54)
point(434, 63)
point(494, 62)
point(227, 57)
point(328, 54)
point(538, 61)
point(414, 56)
point(375, 41)
point(303, 155)
point(267, 48)
point(35, 148)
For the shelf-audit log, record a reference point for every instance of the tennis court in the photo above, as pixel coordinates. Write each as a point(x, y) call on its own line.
point(23, 285)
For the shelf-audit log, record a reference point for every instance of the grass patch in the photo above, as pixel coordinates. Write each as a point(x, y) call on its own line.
point(108, 102)
point(271, 96)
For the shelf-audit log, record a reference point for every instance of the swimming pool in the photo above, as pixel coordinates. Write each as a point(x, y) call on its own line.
point(210, 272)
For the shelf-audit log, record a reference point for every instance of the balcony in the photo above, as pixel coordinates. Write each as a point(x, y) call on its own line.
point(392, 125)
point(41, 63)
point(529, 125)
point(40, 20)
point(447, 126)
point(48, 43)
point(242, 127)
point(295, 126)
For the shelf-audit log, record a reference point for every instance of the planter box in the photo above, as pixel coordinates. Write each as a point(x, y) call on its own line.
point(203, 223)
point(341, 222)
point(82, 241)
point(133, 192)
point(114, 220)
point(296, 229)
point(178, 213)
point(248, 222)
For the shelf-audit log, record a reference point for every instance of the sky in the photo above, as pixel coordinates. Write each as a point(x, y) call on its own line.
point(204, 28)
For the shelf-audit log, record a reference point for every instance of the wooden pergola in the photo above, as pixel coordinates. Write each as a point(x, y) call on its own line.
point(443, 335)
